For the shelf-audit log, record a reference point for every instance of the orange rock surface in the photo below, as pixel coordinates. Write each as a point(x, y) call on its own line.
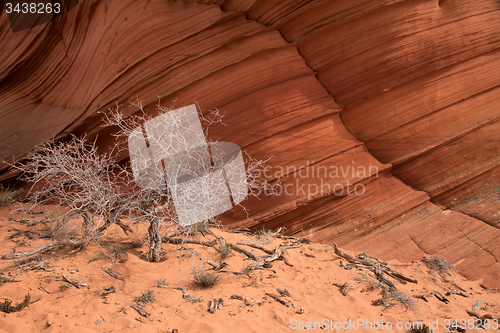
point(408, 88)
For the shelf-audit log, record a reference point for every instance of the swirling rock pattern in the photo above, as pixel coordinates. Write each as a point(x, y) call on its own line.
point(409, 87)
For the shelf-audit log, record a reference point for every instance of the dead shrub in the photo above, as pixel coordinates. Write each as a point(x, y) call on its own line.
point(205, 278)
point(392, 297)
point(7, 195)
point(439, 264)
point(146, 297)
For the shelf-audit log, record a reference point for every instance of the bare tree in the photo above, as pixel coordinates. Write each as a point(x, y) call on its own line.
point(175, 178)
point(169, 153)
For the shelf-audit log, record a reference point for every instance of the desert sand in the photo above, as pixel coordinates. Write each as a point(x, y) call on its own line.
point(312, 288)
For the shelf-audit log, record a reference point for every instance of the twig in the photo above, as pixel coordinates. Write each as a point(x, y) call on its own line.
point(108, 291)
point(236, 296)
point(300, 240)
point(477, 305)
point(141, 310)
point(74, 282)
point(246, 270)
point(43, 289)
point(215, 265)
point(456, 292)
point(280, 300)
point(422, 297)
point(346, 288)
point(215, 304)
point(29, 211)
point(257, 246)
point(28, 233)
point(113, 274)
point(440, 297)
point(350, 258)
point(398, 275)
point(385, 280)
point(359, 262)
point(458, 287)
point(172, 240)
point(245, 231)
point(376, 259)
point(249, 254)
point(278, 254)
point(473, 314)
point(344, 266)
point(184, 292)
point(254, 302)
point(284, 292)
point(262, 263)
point(43, 248)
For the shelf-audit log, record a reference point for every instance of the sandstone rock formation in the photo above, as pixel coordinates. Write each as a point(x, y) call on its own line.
point(406, 88)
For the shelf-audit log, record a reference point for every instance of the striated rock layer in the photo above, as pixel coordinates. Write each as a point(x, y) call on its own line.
point(380, 115)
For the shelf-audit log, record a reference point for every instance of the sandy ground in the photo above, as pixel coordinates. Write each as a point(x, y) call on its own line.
point(314, 300)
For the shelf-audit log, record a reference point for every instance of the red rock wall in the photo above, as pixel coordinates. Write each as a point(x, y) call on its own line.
point(409, 87)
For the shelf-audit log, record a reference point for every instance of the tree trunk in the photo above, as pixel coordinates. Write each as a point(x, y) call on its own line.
point(87, 223)
point(154, 240)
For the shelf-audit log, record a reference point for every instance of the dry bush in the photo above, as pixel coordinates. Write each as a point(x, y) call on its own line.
point(7, 195)
point(92, 187)
point(60, 227)
point(439, 264)
point(146, 297)
point(205, 278)
point(138, 243)
point(225, 253)
point(266, 236)
point(392, 297)
point(114, 251)
point(74, 175)
point(94, 190)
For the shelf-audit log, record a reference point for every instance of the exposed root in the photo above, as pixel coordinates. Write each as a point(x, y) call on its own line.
point(377, 267)
point(280, 300)
point(44, 248)
point(263, 263)
point(257, 246)
point(171, 240)
point(249, 254)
